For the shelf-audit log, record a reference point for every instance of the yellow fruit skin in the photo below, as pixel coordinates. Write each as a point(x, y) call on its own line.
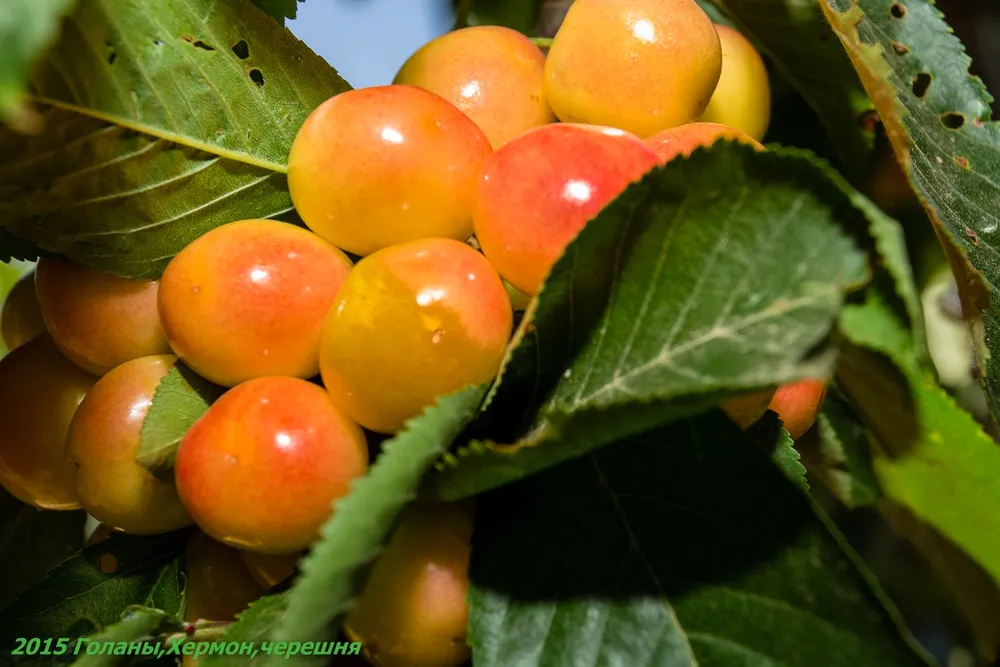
point(21, 317)
point(412, 611)
point(638, 65)
point(97, 319)
point(102, 445)
point(374, 167)
point(742, 98)
point(493, 74)
point(40, 391)
point(413, 322)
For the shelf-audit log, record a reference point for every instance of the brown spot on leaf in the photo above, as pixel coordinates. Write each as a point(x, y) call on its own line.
point(973, 236)
point(869, 120)
point(962, 162)
point(900, 49)
point(897, 11)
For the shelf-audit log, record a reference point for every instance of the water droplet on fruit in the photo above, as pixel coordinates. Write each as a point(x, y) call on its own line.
point(430, 295)
point(284, 441)
point(231, 460)
point(195, 289)
point(265, 352)
point(469, 91)
point(472, 276)
point(293, 255)
point(644, 31)
point(577, 191)
point(391, 135)
point(436, 338)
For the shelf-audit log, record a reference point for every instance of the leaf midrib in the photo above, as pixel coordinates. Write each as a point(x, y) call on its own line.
point(237, 156)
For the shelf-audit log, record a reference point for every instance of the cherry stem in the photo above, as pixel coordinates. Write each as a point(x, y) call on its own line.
point(542, 42)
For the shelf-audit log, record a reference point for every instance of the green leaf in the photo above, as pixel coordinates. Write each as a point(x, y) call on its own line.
point(253, 625)
point(839, 455)
point(796, 39)
point(181, 398)
point(715, 275)
point(937, 118)
point(32, 541)
point(137, 624)
point(773, 440)
point(679, 548)
point(27, 29)
point(930, 457)
point(89, 591)
point(157, 130)
point(362, 520)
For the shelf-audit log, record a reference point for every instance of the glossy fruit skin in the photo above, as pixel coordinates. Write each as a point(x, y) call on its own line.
point(682, 140)
point(639, 65)
point(374, 167)
point(536, 193)
point(39, 393)
point(97, 319)
point(262, 467)
point(102, 445)
point(798, 403)
point(218, 585)
point(412, 611)
point(21, 317)
point(747, 409)
point(248, 300)
point(413, 322)
point(742, 98)
point(269, 570)
point(493, 74)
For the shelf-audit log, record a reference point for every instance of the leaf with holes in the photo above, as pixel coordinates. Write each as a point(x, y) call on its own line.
point(162, 121)
point(937, 118)
point(624, 558)
point(715, 275)
point(27, 28)
point(800, 46)
point(181, 398)
point(89, 591)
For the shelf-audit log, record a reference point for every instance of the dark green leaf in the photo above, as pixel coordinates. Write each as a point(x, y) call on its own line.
point(12, 247)
point(930, 458)
point(773, 440)
point(137, 624)
point(839, 455)
point(937, 118)
point(32, 541)
point(680, 548)
point(89, 591)
point(27, 28)
point(362, 520)
point(279, 9)
point(254, 625)
point(521, 15)
point(795, 38)
point(715, 275)
point(158, 130)
point(180, 399)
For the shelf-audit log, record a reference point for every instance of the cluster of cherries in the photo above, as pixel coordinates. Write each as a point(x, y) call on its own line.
point(434, 208)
